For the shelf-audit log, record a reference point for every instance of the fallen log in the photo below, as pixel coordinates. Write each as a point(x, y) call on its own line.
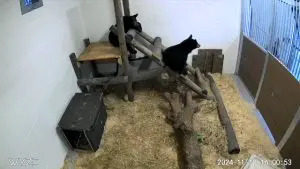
point(182, 122)
point(232, 143)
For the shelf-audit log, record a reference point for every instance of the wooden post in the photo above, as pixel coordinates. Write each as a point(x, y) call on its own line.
point(157, 47)
point(76, 68)
point(123, 48)
point(126, 7)
point(232, 143)
point(86, 42)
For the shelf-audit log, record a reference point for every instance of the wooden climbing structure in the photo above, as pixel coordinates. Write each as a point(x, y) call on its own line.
point(130, 70)
point(149, 67)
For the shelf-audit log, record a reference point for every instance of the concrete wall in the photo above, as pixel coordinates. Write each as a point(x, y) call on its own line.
point(37, 80)
point(216, 24)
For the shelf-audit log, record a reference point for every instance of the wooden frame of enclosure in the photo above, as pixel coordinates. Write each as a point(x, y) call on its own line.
point(277, 96)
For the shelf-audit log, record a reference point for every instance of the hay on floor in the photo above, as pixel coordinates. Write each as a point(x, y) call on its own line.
point(138, 137)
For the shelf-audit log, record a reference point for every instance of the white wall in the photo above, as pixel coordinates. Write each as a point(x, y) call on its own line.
point(215, 23)
point(37, 80)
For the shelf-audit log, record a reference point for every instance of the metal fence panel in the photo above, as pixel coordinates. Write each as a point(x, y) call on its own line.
point(274, 25)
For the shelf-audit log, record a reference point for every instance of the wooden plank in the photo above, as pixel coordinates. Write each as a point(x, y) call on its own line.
point(279, 98)
point(209, 60)
point(198, 60)
point(100, 51)
point(251, 65)
point(217, 66)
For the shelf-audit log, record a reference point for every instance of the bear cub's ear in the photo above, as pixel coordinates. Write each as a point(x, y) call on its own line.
point(135, 15)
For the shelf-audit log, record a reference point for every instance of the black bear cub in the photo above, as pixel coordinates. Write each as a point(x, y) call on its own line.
point(130, 22)
point(175, 57)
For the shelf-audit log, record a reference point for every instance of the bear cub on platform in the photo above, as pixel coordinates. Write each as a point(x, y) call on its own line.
point(130, 22)
point(175, 57)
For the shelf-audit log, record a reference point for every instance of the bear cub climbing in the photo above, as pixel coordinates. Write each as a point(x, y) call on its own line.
point(175, 57)
point(130, 22)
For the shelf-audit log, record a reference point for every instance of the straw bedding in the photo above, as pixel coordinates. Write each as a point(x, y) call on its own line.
point(138, 137)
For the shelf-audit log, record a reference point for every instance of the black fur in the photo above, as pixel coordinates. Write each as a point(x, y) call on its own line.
point(130, 22)
point(175, 57)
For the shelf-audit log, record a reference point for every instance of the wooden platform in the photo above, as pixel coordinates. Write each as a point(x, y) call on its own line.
point(100, 51)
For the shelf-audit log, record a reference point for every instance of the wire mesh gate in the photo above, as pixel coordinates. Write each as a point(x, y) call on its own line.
point(275, 25)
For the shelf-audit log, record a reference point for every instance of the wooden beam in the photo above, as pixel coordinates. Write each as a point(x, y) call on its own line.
point(232, 143)
point(126, 7)
point(188, 82)
point(146, 36)
point(147, 52)
point(103, 80)
point(123, 48)
point(200, 80)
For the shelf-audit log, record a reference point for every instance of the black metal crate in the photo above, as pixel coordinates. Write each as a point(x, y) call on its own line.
point(82, 123)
